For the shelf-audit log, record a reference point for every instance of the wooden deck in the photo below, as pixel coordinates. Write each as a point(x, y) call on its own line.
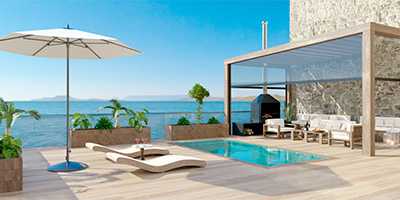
point(345, 175)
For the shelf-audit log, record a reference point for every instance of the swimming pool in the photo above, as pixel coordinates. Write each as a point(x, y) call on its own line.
point(250, 153)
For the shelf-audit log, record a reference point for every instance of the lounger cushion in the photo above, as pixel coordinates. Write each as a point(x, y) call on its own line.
point(132, 151)
point(158, 164)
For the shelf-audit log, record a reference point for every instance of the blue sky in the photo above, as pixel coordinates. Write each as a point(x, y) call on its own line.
point(183, 42)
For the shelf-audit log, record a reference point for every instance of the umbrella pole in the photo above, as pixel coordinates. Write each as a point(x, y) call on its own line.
point(67, 166)
point(68, 145)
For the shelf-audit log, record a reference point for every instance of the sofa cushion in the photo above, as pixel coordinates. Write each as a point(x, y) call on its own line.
point(315, 123)
point(340, 135)
point(272, 129)
point(396, 122)
point(286, 129)
point(275, 122)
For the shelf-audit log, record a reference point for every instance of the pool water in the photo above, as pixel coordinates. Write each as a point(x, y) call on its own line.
point(250, 153)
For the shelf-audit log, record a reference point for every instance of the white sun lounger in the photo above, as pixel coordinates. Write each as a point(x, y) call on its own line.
point(132, 151)
point(158, 164)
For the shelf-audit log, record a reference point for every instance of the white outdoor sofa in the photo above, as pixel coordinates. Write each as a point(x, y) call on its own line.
point(276, 126)
point(309, 117)
point(339, 130)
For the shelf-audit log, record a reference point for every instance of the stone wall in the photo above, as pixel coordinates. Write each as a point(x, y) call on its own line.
point(313, 17)
point(342, 98)
point(387, 65)
point(309, 18)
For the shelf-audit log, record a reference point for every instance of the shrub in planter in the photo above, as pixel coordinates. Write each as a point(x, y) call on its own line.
point(10, 164)
point(104, 132)
point(81, 121)
point(183, 121)
point(11, 148)
point(213, 120)
point(104, 123)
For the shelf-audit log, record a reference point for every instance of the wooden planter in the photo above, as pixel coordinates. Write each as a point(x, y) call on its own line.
point(114, 136)
point(196, 131)
point(10, 175)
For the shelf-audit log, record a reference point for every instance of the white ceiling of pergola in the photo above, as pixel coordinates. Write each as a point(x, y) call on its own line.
point(338, 59)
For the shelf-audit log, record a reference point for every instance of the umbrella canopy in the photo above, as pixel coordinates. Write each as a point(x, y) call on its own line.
point(52, 43)
point(65, 43)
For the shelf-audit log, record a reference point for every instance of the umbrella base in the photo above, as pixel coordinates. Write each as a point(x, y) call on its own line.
point(70, 166)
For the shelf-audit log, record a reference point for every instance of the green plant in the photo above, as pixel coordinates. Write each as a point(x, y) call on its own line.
point(10, 147)
point(117, 109)
point(289, 113)
point(138, 120)
point(199, 93)
point(9, 113)
point(248, 132)
point(104, 123)
point(81, 121)
point(183, 121)
point(213, 120)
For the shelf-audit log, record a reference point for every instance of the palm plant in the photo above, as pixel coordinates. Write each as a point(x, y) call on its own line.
point(138, 120)
point(9, 113)
point(117, 109)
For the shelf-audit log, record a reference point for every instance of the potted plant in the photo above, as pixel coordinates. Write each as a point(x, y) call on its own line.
point(108, 132)
point(116, 110)
point(184, 130)
point(289, 114)
point(139, 121)
point(199, 93)
point(11, 148)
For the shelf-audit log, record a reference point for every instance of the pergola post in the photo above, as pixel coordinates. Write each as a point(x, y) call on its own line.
point(228, 97)
point(368, 92)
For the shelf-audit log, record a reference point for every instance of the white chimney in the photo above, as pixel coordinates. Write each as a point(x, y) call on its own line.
point(264, 25)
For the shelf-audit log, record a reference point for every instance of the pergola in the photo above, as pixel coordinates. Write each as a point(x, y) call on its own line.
point(345, 55)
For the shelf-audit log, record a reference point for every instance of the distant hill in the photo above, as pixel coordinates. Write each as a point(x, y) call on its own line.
point(63, 98)
point(180, 98)
point(157, 98)
point(152, 98)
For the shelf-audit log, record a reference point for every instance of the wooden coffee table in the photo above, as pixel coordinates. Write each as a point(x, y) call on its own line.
point(296, 134)
point(321, 135)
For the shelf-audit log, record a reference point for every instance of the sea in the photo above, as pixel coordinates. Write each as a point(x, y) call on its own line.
point(49, 131)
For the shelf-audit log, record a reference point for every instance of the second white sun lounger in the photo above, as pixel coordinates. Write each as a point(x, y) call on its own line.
point(131, 151)
point(158, 164)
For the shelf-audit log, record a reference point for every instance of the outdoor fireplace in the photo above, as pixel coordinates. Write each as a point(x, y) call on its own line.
point(263, 107)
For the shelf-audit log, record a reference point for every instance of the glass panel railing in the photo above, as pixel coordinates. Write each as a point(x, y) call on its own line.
point(49, 131)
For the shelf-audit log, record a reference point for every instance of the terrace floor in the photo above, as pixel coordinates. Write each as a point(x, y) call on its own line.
point(345, 175)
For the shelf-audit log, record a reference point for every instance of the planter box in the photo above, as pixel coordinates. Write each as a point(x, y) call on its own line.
point(114, 136)
point(196, 131)
point(10, 175)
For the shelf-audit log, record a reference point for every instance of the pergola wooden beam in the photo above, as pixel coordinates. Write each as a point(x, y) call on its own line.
point(228, 97)
point(368, 32)
point(368, 92)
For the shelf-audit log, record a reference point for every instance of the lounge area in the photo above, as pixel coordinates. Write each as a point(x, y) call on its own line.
point(341, 84)
point(344, 174)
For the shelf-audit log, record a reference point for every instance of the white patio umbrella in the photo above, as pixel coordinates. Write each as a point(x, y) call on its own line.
point(65, 43)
